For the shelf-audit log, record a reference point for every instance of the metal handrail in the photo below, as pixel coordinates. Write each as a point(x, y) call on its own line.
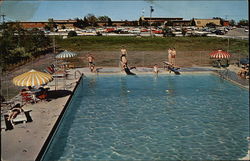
point(77, 71)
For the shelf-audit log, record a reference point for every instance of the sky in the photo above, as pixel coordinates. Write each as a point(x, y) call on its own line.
point(40, 10)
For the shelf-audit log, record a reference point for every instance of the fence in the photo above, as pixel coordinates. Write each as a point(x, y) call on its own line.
point(112, 59)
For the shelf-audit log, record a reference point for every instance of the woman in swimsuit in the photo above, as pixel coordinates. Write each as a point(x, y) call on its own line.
point(173, 53)
point(170, 55)
point(17, 109)
point(123, 51)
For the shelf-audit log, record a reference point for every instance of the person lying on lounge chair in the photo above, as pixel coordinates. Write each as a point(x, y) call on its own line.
point(14, 111)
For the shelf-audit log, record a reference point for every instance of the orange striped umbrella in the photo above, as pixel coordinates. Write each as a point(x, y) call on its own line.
point(32, 78)
point(219, 54)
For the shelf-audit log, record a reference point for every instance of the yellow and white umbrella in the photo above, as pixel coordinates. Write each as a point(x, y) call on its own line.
point(32, 78)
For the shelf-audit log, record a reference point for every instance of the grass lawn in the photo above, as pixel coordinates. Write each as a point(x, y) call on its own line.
point(112, 43)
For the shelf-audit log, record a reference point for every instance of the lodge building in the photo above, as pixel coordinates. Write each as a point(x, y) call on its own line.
point(143, 21)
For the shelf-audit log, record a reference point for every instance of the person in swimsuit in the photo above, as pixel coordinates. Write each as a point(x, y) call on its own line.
point(156, 70)
point(170, 55)
point(124, 61)
point(173, 56)
point(123, 57)
point(124, 51)
point(17, 109)
point(91, 59)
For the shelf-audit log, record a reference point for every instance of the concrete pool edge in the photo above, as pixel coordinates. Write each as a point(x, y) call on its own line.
point(184, 73)
point(53, 130)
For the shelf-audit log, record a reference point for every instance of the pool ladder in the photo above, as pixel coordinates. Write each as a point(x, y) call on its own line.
point(78, 72)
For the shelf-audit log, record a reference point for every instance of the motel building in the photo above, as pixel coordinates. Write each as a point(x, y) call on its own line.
point(204, 22)
point(143, 21)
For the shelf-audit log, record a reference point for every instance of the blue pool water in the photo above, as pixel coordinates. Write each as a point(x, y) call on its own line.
point(187, 117)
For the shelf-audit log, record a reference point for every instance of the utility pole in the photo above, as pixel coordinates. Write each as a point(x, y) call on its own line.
point(3, 17)
point(54, 44)
point(151, 10)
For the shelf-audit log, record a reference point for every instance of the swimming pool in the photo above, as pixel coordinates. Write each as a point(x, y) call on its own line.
point(187, 117)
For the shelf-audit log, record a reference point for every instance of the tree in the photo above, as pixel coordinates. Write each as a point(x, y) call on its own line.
point(193, 22)
point(18, 44)
point(243, 22)
point(91, 19)
point(232, 23)
point(81, 23)
point(52, 24)
point(103, 18)
point(109, 22)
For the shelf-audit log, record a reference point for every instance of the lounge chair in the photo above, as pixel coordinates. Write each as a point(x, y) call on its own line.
point(54, 72)
point(43, 94)
point(3, 124)
point(20, 118)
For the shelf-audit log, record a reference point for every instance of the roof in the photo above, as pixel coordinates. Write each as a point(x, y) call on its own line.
point(181, 20)
point(162, 18)
point(205, 19)
point(64, 21)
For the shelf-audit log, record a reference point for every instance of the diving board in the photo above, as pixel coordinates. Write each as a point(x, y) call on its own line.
point(171, 68)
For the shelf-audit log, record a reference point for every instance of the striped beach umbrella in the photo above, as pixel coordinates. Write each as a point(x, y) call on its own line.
point(219, 54)
point(65, 54)
point(32, 78)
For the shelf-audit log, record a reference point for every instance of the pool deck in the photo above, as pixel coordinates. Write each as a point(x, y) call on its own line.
point(25, 141)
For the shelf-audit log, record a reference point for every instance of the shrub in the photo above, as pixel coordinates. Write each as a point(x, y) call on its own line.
point(72, 34)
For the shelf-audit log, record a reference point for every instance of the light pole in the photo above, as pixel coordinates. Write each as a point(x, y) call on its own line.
point(151, 10)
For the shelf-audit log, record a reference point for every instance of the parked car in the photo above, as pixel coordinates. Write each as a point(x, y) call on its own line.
point(219, 32)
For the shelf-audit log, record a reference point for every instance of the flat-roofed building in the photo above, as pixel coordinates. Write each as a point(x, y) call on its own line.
point(156, 20)
point(30, 25)
point(204, 22)
point(181, 22)
point(117, 23)
point(67, 23)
